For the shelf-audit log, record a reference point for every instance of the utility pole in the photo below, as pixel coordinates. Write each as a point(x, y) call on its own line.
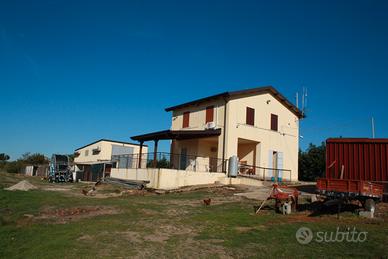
point(297, 100)
point(303, 100)
point(373, 127)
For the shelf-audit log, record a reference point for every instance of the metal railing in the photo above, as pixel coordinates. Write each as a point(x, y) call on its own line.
point(197, 164)
point(170, 161)
point(265, 173)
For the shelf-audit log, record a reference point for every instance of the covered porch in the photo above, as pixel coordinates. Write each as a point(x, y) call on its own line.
point(193, 150)
point(248, 152)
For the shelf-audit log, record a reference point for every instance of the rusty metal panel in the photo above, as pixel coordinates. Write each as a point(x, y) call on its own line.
point(359, 159)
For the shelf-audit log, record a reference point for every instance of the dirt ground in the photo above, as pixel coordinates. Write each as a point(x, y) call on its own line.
point(119, 222)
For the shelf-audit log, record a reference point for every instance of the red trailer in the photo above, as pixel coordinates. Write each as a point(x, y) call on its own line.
point(357, 159)
point(339, 188)
point(356, 168)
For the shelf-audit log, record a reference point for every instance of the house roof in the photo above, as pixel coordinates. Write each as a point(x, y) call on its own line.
point(108, 140)
point(258, 90)
point(177, 134)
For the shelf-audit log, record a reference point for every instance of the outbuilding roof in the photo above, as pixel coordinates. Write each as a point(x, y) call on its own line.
point(108, 140)
point(258, 90)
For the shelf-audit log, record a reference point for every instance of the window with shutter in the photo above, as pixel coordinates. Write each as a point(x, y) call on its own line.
point(209, 114)
point(250, 116)
point(186, 120)
point(274, 122)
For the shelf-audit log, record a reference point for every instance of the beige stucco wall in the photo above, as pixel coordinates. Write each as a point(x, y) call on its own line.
point(168, 178)
point(285, 140)
point(198, 116)
point(106, 151)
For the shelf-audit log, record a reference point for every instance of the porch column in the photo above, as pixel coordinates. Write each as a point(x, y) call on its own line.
point(103, 172)
point(140, 152)
point(155, 152)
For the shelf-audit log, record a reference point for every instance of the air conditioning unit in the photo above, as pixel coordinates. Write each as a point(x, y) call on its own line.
point(96, 150)
point(210, 125)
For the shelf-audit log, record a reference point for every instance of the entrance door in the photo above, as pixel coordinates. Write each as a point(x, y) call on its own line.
point(276, 162)
point(108, 168)
point(275, 165)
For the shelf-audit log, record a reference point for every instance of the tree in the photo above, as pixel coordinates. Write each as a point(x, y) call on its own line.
point(71, 157)
point(312, 162)
point(13, 167)
point(26, 159)
point(34, 159)
point(3, 160)
point(4, 157)
point(161, 163)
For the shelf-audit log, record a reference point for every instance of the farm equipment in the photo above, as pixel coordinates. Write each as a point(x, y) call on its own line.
point(286, 198)
point(340, 190)
point(356, 169)
point(59, 171)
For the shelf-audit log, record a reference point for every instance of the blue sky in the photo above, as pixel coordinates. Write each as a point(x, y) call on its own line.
point(72, 72)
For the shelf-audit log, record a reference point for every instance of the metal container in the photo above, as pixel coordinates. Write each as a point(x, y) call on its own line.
point(357, 159)
point(233, 166)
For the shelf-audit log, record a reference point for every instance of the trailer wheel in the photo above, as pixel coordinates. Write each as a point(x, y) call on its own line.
point(370, 205)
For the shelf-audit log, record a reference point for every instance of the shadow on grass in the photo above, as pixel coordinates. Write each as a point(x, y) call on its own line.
point(312, 189)
point(318, 208)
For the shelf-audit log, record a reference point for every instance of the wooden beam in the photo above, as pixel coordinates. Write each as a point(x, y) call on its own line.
point(155, 152)
point(140, 153)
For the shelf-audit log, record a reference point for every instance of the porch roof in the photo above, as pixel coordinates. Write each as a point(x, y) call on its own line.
point(177, 134)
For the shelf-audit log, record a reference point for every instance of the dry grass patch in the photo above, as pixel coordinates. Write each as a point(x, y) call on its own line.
point(65, 215)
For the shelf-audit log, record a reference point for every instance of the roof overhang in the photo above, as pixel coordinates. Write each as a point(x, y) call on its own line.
point(177, 134)
point(258, 90)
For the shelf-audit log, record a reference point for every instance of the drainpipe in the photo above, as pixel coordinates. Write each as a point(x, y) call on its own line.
point(224, 137)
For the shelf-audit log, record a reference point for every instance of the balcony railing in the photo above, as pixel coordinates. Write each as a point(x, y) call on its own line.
point(170, 161)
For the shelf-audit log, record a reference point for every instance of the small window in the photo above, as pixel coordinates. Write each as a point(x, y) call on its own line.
point(209, 114)
point(274, 122)
point(86, 152)
point(186, 120)
point(250, 120)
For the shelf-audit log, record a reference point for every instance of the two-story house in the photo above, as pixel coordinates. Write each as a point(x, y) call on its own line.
point(259, 126)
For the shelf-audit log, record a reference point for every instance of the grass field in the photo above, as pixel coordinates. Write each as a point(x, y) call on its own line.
point(40, 224)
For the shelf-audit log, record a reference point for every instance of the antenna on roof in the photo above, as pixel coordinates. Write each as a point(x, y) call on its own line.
point(304, 100)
